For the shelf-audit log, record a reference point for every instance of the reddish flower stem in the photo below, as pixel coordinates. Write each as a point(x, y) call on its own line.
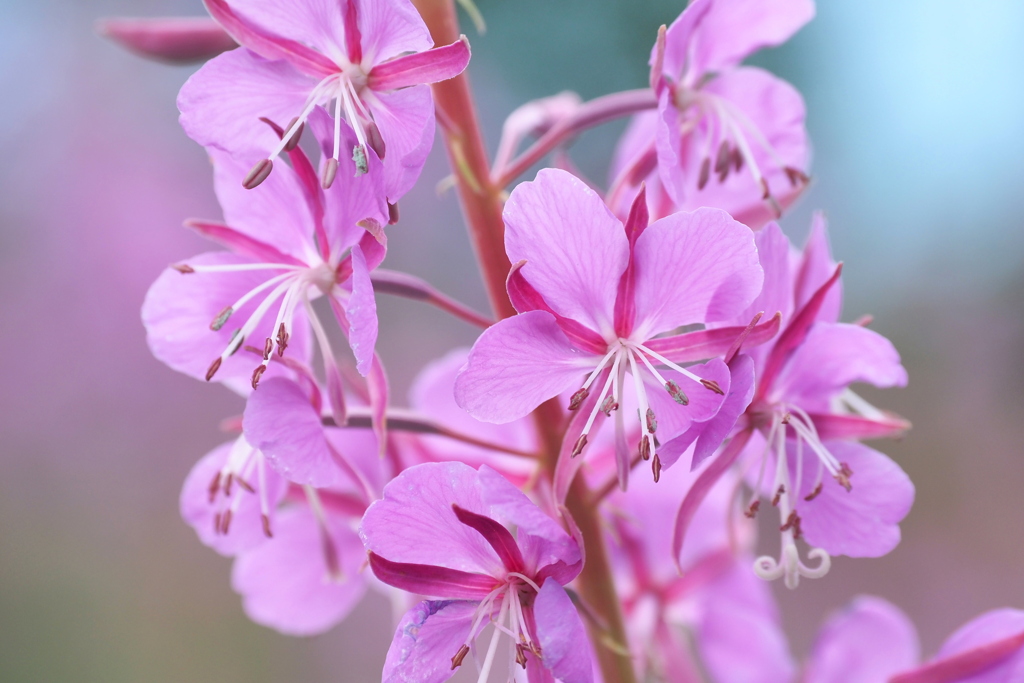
point(482, 204)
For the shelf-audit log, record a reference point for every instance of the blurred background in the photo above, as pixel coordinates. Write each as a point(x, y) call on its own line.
point(916, 113)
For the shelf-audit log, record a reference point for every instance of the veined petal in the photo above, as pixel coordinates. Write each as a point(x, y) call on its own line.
point(361, 311)
point(318, 24)
point(432, 581)
point(285, 582)
point(405, 119)
point(862, 522)
point(868, 641)
point(565, 647)
point(834, 426)
point(703, 344)
point(516, 365)
point(694, 268)
point(430, 66)
point(574, 247)
point(390, 28)
point(427, 638)
point(240, 243)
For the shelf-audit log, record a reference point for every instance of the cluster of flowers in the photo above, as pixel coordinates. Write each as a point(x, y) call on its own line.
point(667, 321)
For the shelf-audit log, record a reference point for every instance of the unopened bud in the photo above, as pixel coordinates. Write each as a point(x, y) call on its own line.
point(221, 319)
point(258, 174)
point(713, 386)
point(214, 367)
point(578, 398)
point(676, 393)
point(329, 174)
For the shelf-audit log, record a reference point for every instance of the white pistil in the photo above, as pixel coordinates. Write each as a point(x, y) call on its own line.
point(485, 669)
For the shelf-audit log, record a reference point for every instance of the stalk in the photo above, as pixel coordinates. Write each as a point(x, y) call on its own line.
point(482, 203)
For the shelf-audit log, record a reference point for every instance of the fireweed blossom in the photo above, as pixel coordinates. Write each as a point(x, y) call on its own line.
point(872, 640)
point(290, 243)
point(593, 295)
point(368, 61)
point(440, 532)
point(724, 135)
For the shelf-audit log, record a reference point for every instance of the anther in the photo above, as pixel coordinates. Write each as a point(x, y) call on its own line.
point(214, 367)
point(245, 485)
point(796, 176)
point(221, 319)
point(225, 522)
point(256, 374)
point(216, 523)
point(214, 486)
point(652, 422)
point(713, 386)
point(359, 156)
point(645, 448)
point(235, 342)
point(258, 174)
point(676, 393)
point(843, 476)
point(609, 405)
point(266, 526)
point(520, 655)
point(282, 339)
point(792, 522)
point(268, 348)
point(778, 495)
point(751, 511)
point(183, 268)
point(813, 494)
point(580, 443)
point(330, 172)
point(723, 161)
point(375, 140)
point(705, 173)
point(737, 159)
point(656, 468)
point(459, 656)
point(765, 194)
point(578, 398)
point(227, 484)
point(293, 141)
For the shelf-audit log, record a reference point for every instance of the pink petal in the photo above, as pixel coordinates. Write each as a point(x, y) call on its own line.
point(361, 311)
point(405, 119)
point(427, 638)
point(674, 419)
point(694, 268)
point(830, 426)
point(221, 104)
point(833, 356)
point(868, 641)
point(526, 298)
point(777, 293)
point(862, 522)
point(681, 33)
point(563, 641)
point(694, 346)
point(414, 523)
point(390, 28)
point(575, 249)
point(280, 421)
point(515, 366)
point(431, 66)
point(432, 581)
point(815, 268)
point(240, 243)
point(284, 582)
point(318, 24)
point(170, 39)
point(987, 649)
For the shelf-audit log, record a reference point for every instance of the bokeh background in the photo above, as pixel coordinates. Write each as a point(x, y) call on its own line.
point(916, 112)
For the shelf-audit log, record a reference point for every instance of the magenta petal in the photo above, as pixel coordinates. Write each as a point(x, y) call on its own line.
point(516, 365)
point(280, 421)
point(815, 268)
point(868, 641)
point(431, 66)
point(564, 644)
point(702, 344)
point(694, 268)
point(284, 582)
point(833, 426)
point(222, 102)
point(500, 538)
point(862, 522)
point(405, 119)
point(833, 356)
point(427, 638)
point(574, 247)
point(361, 311)
point(431, 581)
point(414, 523)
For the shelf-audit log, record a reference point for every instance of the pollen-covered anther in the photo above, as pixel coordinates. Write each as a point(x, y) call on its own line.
point(751, 511)
point(183, 268)
point(651, 422)
point(656, 468)
point(214, 367)
point(608, 405)
point(713, 386)
point(778, 495)
point(359, 157)
point(221, 319)
point(843, 476)
point(459, 656)
point(578, 398)
point(258, 174)
point(329, 174)
point(813, 494)
point(580, 443)
point(256, 374)
point(676, 393)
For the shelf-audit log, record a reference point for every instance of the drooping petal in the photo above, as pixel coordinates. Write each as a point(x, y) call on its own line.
point(862, 522)
point(285, 582)
point(694, 268)
point(205, 515)
point(280, 421)
point(833, 356)
point(405, 119)
point(427, 638)
point(574, 247)
point(180, 307)
point(515, 366)
point(431, 66)
point(564, 644)
point(221, 104)
point(361, 311)
point(414, 523)
point(868, 641)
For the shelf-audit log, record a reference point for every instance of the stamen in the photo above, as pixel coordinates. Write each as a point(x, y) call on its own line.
point(293, 139)
point(713, 386)
point(751, 511)
point(256, 374)
point(268, 348)
point(665, 361)
point(723, 161)
point(214, 486)
point(459, 656)
point(792, 522)
point(813, 494)
point(214, 367)
point(843, 477)
point(656, 467)
point(778, 493)
point(225, 522)
point(609, 405)
point(705, 173)
point(282, 339)
point(258, 174)
point(221, 318)
point(580, 443)
point(578, 398)
point(183, 268)
point(676, 393)
point(329, 174)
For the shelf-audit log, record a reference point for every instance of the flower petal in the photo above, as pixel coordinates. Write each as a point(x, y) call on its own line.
point(987, 649)
point(405, 119)
point(815, 268)
point(316, 23)
point(427, 638)
point(868, 641)
point(284, 582)
point(564, 644)
point(361, 311)
point(432, 581)
point(694, 268)
point(390, 28)
point(673, 418)
point(430, 66)
point(574, 247)
point(516, 365)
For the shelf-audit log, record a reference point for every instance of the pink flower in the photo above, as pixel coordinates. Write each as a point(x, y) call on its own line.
point(724, 135)
point(440, 532)
point(291, 242)
point(592, 295)
point(370, 58)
